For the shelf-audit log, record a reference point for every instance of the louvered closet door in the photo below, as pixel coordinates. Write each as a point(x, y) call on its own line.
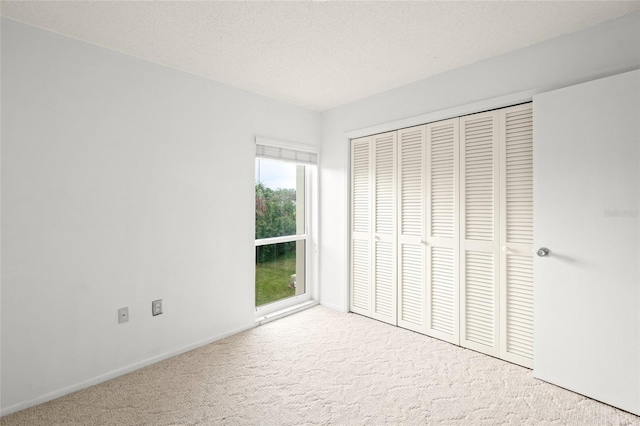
point(479, 251)
point(411, 238)
point(361, 225)
point(384, 306)
point(516, 234)
point(443, 210)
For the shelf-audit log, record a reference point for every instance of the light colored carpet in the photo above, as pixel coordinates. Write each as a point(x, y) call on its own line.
point(325, 367)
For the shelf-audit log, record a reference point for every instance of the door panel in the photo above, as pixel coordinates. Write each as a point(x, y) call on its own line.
point(587, 196)
point(411, 248)
point(479, 220)
point(443, 230)
point(361, 189)
point(384, 218)
point(516, 234)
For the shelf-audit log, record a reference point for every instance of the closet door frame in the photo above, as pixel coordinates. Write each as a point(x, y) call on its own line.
point(499, 321)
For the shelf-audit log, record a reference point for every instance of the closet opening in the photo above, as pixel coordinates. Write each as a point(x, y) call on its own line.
point(442, 230)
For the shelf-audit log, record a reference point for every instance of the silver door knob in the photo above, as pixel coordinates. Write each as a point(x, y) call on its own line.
point(542, 252)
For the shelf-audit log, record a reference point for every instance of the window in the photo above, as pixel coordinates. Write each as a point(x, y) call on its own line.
point(280, 230)
point(282, 222)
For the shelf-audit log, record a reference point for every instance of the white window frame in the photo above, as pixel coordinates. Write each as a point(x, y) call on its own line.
point(308, 298)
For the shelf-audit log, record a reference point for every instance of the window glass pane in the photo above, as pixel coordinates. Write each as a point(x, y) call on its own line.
point(279, 271)
point(279, 199)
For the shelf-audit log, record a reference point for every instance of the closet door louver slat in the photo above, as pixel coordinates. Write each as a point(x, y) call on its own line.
point(411, 312)
point(516, 234)
point(443, 295)
point(384, 296)
point(384, 306)
point(479, 298)
point(360, 295)
point(361, 232)
point(479, 166)
point(411, 250)
point(442, 230)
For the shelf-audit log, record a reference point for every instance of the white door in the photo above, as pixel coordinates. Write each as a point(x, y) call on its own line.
point(516, 234)
point(384, 280)
point(411, 239)
point(361, 226)
point(587, 196)
point(479, 222)
point(443, 225)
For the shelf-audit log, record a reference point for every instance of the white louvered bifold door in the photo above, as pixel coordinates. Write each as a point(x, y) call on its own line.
point(385, 288)
point(411, 238)
point(442, 188)
point(479, 251)
point(516, 234)
point(361, 226)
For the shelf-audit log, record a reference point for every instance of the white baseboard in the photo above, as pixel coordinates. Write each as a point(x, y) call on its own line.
point(116, 373)
point(334, 307)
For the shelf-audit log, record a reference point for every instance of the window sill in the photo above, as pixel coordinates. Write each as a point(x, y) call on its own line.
point(285, 312)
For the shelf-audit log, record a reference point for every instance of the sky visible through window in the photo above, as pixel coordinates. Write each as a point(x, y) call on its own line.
point(275, 174)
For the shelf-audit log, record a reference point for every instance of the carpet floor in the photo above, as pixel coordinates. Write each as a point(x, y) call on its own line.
point(325, 367)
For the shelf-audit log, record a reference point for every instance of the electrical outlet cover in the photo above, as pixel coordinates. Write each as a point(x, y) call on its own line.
point(156, 307)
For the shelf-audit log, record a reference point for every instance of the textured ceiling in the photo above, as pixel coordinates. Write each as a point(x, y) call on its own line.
point(315, 54)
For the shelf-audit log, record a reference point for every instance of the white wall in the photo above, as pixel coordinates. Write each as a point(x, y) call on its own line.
point(606, 49)
point(122, 182)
